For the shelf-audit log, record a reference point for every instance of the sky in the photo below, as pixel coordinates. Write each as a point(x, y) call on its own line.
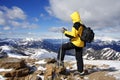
point(45, 18)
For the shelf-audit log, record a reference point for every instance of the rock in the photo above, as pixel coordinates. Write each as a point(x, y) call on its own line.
point(100, 76)
point(20, 69)
point(7, 74)
point(52, 71)
point(89, 66)
point(49, 60)
point(17, 73)
point(32, 77)
point(3, 55)
point(60, 70)
point(40, 72)
point(38, 78)
point(32, 69)
point(14, 63)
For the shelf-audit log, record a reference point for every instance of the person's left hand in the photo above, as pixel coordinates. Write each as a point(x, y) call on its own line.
point(63, 30)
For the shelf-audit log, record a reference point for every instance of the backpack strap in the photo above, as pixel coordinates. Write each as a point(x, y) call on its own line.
point(83, 26)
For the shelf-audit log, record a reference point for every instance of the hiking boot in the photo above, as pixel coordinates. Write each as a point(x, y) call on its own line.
point(79, 73)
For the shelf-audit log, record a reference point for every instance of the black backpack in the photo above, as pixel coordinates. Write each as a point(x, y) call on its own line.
point(87, 34)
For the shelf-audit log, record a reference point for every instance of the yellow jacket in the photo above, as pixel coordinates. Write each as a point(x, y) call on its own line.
point(76, 29)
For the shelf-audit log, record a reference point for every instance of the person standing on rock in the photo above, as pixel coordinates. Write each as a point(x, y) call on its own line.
point(75, 43)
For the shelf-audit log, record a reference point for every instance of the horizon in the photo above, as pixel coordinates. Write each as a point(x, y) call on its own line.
point(33, 38)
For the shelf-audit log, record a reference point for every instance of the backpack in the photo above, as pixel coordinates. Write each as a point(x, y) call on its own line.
point(87, 34)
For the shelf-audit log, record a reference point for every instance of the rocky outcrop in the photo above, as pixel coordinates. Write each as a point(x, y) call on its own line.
point(54, 72)
point(20, 69)
point(14, 63)
point(3, 54)
point(104, 54)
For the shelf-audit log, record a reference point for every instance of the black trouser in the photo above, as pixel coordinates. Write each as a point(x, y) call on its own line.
point(78, 54)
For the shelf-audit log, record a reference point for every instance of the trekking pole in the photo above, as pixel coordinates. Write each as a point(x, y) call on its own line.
point(61, 49)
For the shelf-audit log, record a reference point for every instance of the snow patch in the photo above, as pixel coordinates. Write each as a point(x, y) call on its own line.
point(115, 74)
point(5, 70)
point(5, 48)
point(42, 54)
point(42, 77)
point(2, 78)
point(40, 62)
point(41, 68)
point(17, 56)
point(111, 63)
point(32, 39)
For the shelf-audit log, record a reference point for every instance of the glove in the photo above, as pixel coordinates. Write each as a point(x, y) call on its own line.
point(63, 30)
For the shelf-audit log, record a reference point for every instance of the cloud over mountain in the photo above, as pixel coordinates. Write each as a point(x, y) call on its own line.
point(99, 13)
point(102, 16)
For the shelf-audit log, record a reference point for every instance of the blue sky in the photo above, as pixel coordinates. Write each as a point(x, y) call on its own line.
point(44, 18)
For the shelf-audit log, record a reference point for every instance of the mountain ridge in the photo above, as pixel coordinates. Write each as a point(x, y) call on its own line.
point(96, 50)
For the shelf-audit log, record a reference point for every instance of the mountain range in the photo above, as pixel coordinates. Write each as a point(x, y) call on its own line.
point(102, 50)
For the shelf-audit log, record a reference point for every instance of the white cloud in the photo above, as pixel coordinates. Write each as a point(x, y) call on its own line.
point(14, 12)
point(0, 33)
point(14, 17)
point(2, 20)
point(55, 29)
point(6, 28)
point(15, 23)
point(28, 25)
point(41, 15)
point(106, 38)
point(93, 12)
point(36, 19)
point(98, 14)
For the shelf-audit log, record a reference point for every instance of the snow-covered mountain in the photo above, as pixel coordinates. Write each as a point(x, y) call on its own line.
point(99, 44)
point(107, 50)
point(53, 44)
point(104, 54)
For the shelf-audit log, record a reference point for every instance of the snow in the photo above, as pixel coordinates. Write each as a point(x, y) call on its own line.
point(2, 69)
point(111, 63)
point(40, 62)
point(106, 49)
point(5, 48)
point(85, 56)
point(42, 54)
point(2, 78)
point(42, 77)
point(117, 54)
point(16, 56)
point(90, 49)
point(115, 74)
point(32, 39)
point(41, 68)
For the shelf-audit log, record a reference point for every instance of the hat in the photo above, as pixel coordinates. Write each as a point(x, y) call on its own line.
point(75, 17)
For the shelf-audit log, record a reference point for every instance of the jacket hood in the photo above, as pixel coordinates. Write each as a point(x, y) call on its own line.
point(75, 17)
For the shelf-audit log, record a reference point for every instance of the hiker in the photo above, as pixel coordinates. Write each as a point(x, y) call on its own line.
point(75, 43)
